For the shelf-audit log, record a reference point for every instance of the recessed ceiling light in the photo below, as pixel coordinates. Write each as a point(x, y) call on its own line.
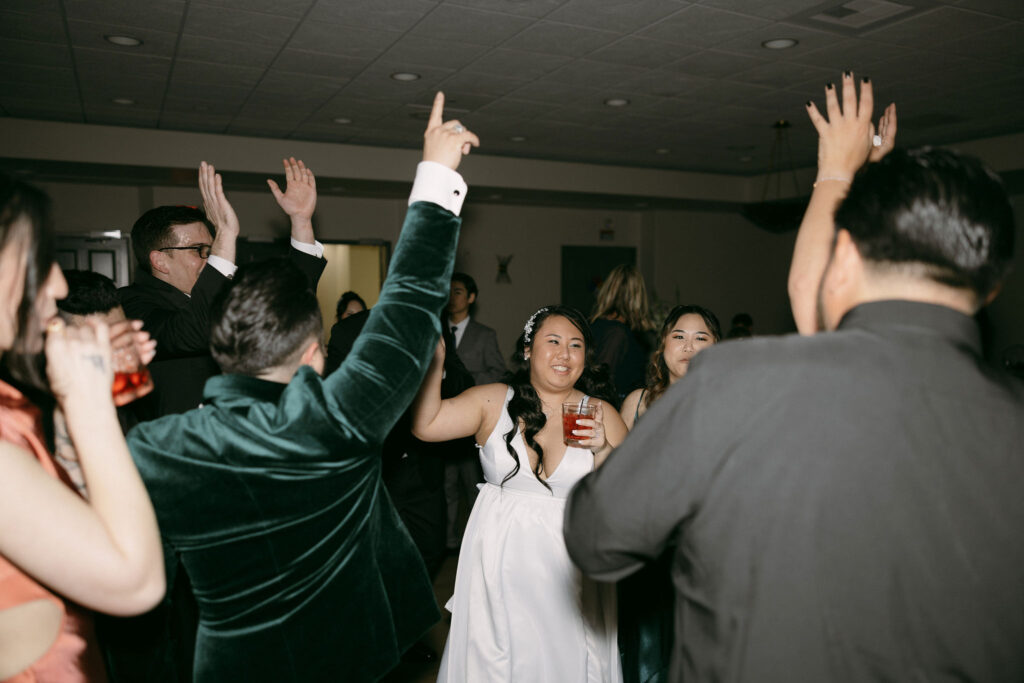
point(662, 150)
point(616, 102)
point(125, 101)
point(341, 119)
point(517, 138)
point(746, 158)
point(405, 76)
point(780, 43)
point(123, 41)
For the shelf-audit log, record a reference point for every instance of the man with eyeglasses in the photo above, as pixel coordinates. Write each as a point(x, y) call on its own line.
point(185, 256)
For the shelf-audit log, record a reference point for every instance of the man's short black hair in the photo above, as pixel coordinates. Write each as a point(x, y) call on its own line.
point(467, 281)
point(153, 229)
point(88, 293)
point(263, 317)
point(934, 208)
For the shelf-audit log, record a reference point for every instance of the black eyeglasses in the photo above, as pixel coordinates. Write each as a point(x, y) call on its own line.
point(202, 249)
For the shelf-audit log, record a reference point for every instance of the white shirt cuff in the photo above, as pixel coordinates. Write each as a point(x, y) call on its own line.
point(316, 249)
point(438, 184)
point(226, 268)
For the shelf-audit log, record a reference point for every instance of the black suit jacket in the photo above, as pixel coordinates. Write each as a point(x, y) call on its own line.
point(181, 326)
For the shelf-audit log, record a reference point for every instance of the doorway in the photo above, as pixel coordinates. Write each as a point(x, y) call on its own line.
point(585, 268)
point(351, 266)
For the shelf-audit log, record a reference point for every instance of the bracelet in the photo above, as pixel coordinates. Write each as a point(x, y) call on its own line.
point(836, 178)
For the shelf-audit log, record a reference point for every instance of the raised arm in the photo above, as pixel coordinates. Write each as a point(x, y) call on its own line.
point(380, 377)
point(845, 143)
point(104, 553)
point(220, 212)
point(437, 419)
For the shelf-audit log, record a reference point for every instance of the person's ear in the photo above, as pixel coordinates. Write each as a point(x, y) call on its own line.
point(471, 298)
point(158, 262)
point(313, 356)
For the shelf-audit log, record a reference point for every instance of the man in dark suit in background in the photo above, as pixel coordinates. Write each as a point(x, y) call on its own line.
point(477, 346)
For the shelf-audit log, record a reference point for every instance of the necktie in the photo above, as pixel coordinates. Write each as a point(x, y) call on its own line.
point(455, 338)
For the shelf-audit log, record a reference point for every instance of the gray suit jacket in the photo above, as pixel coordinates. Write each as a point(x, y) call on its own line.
point(479, 352)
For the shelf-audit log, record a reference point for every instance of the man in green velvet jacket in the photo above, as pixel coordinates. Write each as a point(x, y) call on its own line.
point(271, 492)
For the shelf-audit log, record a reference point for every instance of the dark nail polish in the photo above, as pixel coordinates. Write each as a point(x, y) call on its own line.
point(807, 103)
point(829, 85)
point(848, 74)
point(866, 79)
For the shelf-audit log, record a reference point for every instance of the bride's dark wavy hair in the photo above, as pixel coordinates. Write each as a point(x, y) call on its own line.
point(525, 405)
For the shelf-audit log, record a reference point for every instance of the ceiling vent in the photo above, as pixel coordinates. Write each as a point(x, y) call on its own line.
point(859, 16)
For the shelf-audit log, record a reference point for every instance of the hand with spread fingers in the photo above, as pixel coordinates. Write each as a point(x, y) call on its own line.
point(846, 138)
point(219, 212)
point(299, 197)
point(446, 142)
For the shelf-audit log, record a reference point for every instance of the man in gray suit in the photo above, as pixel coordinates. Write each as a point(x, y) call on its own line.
point(477, 348)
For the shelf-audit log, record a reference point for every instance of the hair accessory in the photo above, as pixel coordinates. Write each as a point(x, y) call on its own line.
point(528, 327)
point(876, 141)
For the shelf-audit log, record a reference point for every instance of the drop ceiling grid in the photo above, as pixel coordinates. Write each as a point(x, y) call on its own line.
point(536, 68)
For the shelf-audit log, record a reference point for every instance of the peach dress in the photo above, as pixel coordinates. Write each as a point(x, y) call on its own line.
point(73, 657)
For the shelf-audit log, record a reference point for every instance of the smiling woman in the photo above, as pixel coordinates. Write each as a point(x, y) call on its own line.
point(549, 623)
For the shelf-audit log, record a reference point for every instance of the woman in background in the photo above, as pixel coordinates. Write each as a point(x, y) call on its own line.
point(620, 324)
point(350, 303)
point(646, 599)
point(102, 553)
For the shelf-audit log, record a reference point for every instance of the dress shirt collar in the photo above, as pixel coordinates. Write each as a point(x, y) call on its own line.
point(898, 313)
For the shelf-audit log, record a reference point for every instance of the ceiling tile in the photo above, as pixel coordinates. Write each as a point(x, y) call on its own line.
point(356, 43)
point(297, 90)
point(595, 74)
point(260, 127)
point(121, 116)
point(219, 97)
point(361, 112)
point(286, 8)
point(703, 26)
point(527, 8)
point(58, 78)
point(42, 6)
point(100, 89)
point(807, 40)
point(228, 24)
point(319, 64)
point(448, 22)
point(642, 52)
point(614, 15)
point(560, 39)
point(66, 96)
point(38, 54)
point(193, 104)
point(776, 9)
point(784, 74)
point(1013, 9)
point(205, 74)
point(859, 54)
point(229, 52)
point(165, 15)
point(482, 83)
point(554, 93)
point(106, 64)
point(526, 65)
point(666, 84)
point(388, 15)
point(712, 63)
point(37, 26)
point(91, 34)
point(42, 109)
point(449, 54)
point(934, 28)
point(515, 108)
point(1004, 44)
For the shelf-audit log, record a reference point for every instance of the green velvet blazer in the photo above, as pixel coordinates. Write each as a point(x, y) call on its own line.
point(272, 495)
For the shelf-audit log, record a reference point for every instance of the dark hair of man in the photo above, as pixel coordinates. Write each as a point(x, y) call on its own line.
point(19, 200)
point(525, 405)
point(153, 230)
point(344, 301)
point(742, 320)
point(936, 209)
point(263, 318)
point(466, 281)
point(88, 293)
point(657, 371)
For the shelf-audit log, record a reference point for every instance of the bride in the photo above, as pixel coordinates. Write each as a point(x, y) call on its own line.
point(521, 610)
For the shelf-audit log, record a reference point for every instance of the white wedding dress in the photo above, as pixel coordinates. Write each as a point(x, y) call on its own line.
point(521, 611)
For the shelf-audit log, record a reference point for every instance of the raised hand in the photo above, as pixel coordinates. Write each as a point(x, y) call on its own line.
point(217, 207)
point(886, 133)
point(845, 137)
point(299, 197)
point(446, 141)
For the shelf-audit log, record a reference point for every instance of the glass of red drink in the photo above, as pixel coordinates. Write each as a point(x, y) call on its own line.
point(131, 377)
point(571, 414)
